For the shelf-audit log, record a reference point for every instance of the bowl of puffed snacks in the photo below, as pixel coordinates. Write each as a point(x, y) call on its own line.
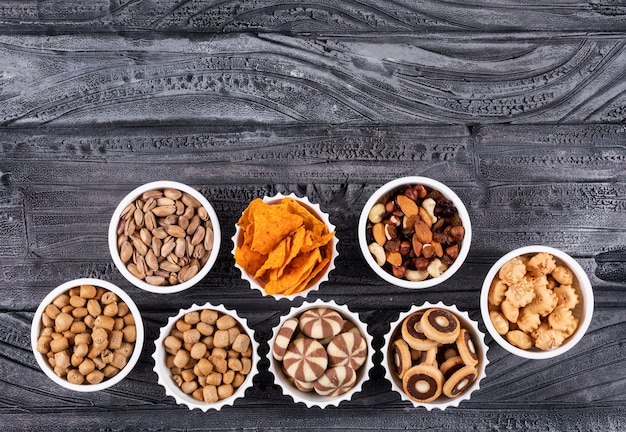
point(537, 302)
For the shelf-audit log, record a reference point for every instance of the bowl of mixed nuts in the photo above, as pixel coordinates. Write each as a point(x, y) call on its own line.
point(164, 237)
point(87, 335)
point(414, 232)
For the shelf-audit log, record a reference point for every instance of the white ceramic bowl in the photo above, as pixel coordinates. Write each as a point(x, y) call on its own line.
point(311, 398)
point(165, 375)
point(113, 237)
point(583, 310)
point(389, 189)
point(37, 327)
point(443, 401)
point(315, 283)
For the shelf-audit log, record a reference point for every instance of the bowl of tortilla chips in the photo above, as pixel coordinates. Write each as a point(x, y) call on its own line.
point(284, 246)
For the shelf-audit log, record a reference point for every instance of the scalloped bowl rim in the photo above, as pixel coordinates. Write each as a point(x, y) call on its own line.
point(443, 401)
point(312, 399)
point(321, 278)
point(164, 374)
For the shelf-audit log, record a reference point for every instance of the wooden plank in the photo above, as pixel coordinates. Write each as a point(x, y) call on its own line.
point(291, 16)
point(277, 79)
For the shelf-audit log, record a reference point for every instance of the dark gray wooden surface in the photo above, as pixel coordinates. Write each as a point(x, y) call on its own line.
point(520, 107)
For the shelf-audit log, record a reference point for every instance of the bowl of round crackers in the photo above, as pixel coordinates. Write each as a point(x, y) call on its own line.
point(284, 246)
point(537, 302)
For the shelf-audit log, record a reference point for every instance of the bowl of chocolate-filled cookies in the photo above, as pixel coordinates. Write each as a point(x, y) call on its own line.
point(434, 356)
point(537, 302)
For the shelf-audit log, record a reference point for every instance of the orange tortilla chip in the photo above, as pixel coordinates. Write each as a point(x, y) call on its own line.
point(276, 258)
point(295, 272)
point(271, 226)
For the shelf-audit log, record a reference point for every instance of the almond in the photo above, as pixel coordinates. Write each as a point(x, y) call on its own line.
point(438, 249)
point(378, 231)
point(422, 232)
point(407, 205)
point(394, 258)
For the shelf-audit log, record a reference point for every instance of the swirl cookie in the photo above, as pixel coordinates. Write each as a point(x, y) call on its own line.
point(347, 349)
point(321, 323)
point(423, 383)
point(283, 338)
point(440, 325)
point(335, 381)
point(305, 359)
point(413, 333)
point(459, 381)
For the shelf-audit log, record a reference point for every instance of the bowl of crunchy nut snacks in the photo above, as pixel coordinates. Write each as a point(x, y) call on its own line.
point(87, 335)
point(164, 237)
point(206, 357)
point(414, 232)
point(537, 302)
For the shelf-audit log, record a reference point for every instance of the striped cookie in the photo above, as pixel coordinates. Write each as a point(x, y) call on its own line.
point(347, 349)
point(335, 381)
point(305, 359)
point(283, 338)
point(321, 323)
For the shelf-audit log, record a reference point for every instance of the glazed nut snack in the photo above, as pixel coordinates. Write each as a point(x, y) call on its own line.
point(415, 234)
point(87, 335)
point(164, 237)
point(320, 351)
point(209, 355)
point(284, 246)
point(532, 301)
point(433, 355)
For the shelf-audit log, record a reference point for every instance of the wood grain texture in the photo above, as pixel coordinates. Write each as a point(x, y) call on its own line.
point(278, 79)
point(206, 16)
point(60, 186)
point(518, 106)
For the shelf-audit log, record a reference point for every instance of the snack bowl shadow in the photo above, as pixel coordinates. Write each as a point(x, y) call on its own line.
point(388, 190)
point(583, 310)
point(312, 399)
point(443, 401)
point(315, 283)
point(164, 373)
point(113, 237)
point(36, 328)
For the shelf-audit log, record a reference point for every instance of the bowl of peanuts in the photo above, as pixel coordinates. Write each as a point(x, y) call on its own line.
point(435, 356)
point(87, 335)
point(206, 357)
point(164, 237)
point(414, 232)
point(537, 302)
point(320, 353)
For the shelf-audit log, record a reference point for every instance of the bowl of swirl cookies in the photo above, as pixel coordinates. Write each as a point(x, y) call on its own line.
point(537, 302)
point(435, 356)
point(320, 354)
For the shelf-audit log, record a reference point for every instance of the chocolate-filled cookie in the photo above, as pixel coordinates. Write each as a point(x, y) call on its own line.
point(440, 325)
point(423, 383)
